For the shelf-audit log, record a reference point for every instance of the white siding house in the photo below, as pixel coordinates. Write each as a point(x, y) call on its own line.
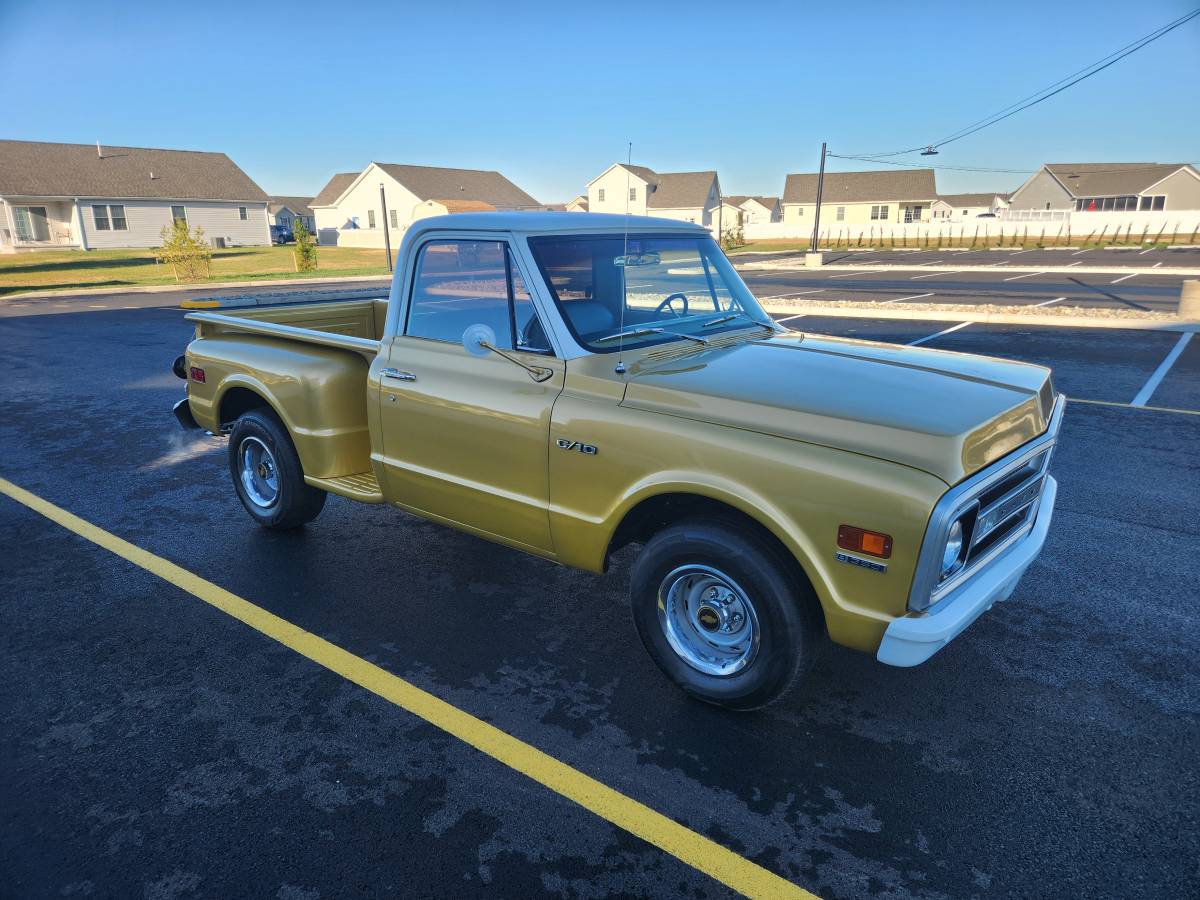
point(349, 211)
point(1057, 190)
point(284, 211)
point(960, 207)
point(689, 196)
point(61, 196)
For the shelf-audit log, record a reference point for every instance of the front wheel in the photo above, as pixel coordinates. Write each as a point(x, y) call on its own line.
point(267, 474)
point(723, 614)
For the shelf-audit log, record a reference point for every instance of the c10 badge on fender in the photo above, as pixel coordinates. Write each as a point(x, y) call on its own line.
point(586, 449)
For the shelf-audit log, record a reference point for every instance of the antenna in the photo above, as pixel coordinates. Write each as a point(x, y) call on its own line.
point(620, 370)
point(99, 153)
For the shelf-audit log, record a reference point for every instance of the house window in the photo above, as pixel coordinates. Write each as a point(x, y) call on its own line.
point(841, 214)
point(100, 216)
point(178, 214)
point(1160, 202)
point(242, 213)
point(799, 211)
point(370, 218)
point(395, 218)
point(600, 195)
point(879, 212)
point(633, 193)
point(116, 214)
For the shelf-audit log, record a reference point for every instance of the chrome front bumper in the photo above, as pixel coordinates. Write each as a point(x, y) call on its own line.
point(913, 638)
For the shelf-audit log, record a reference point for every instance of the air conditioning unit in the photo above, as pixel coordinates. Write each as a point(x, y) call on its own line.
point(219, 242)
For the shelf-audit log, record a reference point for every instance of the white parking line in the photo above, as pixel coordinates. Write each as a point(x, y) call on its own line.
point(793, 294)
point(847, 274)
point(1147, 391)
point(1077, 252)
point(919, 341)
point(1156, 265)
point(789, 318)
point(1048, 302)
point(1026, 275)
point(1078, 262)
point(1144, 252)
point(929, 262)
point(1123, 278)
point(913, 297)
point(936, 274)
point(1019, 252)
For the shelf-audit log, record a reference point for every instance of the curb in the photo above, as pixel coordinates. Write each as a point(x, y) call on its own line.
point(179, 288)
point(985, 318)
point(768, 266)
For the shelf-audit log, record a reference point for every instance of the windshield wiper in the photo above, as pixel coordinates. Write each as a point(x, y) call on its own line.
point(642, 332)
point(737, 315)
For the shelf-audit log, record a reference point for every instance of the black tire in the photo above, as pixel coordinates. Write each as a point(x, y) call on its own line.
point(294, 503)
point(781, 604)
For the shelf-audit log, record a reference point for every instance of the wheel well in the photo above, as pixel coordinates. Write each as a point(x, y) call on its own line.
point(656, 513)
point(239, 400)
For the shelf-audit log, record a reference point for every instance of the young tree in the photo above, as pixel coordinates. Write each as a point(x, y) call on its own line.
point(306, 247)
point(186, 250)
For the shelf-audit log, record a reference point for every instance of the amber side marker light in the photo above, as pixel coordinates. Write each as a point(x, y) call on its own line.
point(861, 540)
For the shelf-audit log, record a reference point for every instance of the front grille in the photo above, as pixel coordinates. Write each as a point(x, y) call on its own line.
point(997, 507)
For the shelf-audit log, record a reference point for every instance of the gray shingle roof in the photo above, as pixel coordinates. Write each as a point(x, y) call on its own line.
point(735, 199)
point(334, 188)
point(299, 205)
point(861, 187)
point(35, 168)
point(681, 190)
point(434, 183)
point(768, 202)
point(1110, 179)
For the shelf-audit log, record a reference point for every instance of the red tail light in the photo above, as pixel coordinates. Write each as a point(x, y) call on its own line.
point(197, 374)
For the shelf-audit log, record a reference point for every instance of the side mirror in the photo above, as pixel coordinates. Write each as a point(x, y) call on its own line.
point(480, 340)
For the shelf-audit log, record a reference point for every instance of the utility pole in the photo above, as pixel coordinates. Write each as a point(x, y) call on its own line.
point(387, 238)
point(820, 190)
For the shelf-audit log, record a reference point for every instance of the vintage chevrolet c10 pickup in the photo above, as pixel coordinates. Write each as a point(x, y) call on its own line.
point(569, 384)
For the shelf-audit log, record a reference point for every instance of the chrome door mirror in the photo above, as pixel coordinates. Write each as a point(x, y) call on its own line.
point(480, 340)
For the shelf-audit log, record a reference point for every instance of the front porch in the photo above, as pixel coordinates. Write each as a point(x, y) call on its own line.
point(34, 224)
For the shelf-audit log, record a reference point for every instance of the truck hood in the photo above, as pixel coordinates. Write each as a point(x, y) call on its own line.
point(948, 414)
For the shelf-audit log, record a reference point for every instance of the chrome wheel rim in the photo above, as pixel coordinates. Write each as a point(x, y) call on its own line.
point(259, 474)
point(708, 620)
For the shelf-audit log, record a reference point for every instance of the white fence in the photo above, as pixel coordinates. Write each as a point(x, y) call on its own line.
point(1088, 227)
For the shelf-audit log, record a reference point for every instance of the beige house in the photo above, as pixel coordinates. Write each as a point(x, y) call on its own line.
point(860, 198)
point(349, 212)
point(689, 196)
point(579, 204)
point(284, 211)
point(960, 207)
point(1109, 187)
point(761, 209)
point(89, 197)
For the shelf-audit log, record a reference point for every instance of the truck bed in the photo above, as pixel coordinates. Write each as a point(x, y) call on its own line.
point(346, 324)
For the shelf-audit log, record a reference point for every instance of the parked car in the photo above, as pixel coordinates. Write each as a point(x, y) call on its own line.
point(986, 215)
point(281, 234)
point(568, 384)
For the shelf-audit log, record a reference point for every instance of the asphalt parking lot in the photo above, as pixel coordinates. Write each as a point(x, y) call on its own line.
point(154, 746)
point(1149, 257)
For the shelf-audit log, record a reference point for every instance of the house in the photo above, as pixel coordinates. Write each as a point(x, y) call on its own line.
point(579, 204)
point(858, 198)
point(761, 209)
point(690, 196)
point(349, 212)
point(284, 211)
point(958, 207)
point(88, 197)
point(1109, 187)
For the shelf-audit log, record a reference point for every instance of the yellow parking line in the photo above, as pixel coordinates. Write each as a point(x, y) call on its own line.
point(694, 849)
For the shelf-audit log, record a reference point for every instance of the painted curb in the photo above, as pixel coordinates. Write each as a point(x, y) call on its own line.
point(983, 318)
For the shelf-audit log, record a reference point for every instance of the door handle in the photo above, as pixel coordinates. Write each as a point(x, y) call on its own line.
point(397, 375)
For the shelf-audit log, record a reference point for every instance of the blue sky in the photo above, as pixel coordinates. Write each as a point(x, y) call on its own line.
point(549, 93)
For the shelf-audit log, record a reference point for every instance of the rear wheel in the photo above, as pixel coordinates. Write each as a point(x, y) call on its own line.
point(723, 613)
point(267, 474)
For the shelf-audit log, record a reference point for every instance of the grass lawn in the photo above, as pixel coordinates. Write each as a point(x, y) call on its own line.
point(70, 269)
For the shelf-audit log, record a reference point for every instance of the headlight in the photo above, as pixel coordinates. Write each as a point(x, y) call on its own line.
point(953, 552)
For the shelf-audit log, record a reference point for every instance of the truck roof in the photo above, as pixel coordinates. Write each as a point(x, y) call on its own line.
point(549, 222)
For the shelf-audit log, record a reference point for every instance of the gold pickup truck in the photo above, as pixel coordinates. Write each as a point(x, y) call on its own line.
point(570, 384)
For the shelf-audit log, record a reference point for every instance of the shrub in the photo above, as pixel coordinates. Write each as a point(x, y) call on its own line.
point(306, 247)
point(186, 250)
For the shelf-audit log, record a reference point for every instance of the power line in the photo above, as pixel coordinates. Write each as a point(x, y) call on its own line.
point(901, 165)
point(1047, 92)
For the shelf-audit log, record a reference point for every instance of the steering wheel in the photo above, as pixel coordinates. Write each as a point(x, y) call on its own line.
point(666, 305)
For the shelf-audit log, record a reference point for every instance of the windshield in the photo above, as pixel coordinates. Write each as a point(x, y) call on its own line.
point(670, 286)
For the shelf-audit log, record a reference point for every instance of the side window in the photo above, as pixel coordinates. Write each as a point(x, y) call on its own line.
point(530, 334)
point(457, 284)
